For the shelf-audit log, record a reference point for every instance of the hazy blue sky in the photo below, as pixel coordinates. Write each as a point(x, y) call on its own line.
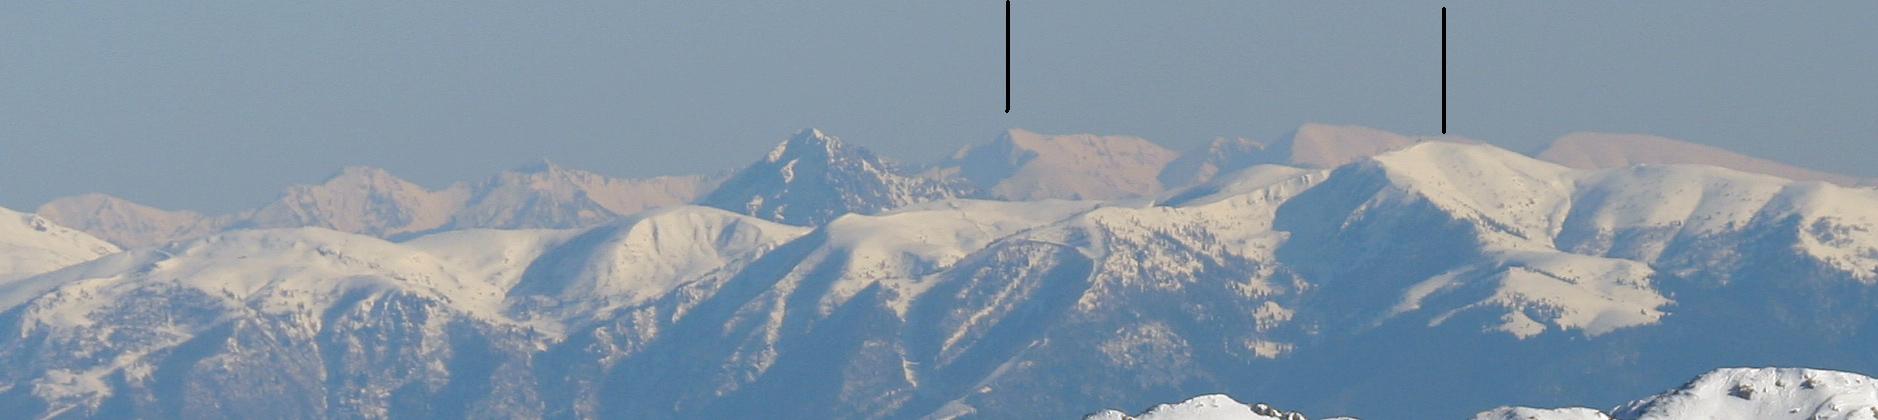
point(218, 105)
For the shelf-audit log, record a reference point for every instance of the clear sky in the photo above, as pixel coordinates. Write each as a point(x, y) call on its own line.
point(216, 106)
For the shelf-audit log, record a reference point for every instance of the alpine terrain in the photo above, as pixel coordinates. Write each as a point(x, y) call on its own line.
point(1342, 271)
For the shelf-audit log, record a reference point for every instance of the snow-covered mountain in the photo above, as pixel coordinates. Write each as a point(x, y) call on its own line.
point(1383, 285)
point(129, 224)
point(812, 178)
point(1527, 413)
point(1608, 150)
point(1315, 145)
point(360, 200)
point(547, 195)
point(1764, 394)
point(1723, 394)
point(1312, 145)
point(1737, 394)
point(374, 202)
point(1204, 407)
point(30, 245)
point(1022, 165)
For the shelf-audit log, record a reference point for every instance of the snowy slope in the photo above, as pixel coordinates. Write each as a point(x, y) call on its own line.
point(812, 178)
point(1610, 150)
point(1237, 183)
point(1527, 413)
point(1312, 145)
point(1723, 394)
point(30, 245)
point(638, 259)
point(1765, 394)
point(84, 330)
point(1022, 165)
point(900, 247)
point(1737, 393)
point(1204, 407)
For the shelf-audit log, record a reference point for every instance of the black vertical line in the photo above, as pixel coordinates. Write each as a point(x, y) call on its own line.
point(1444, 70)
point(1007, 56)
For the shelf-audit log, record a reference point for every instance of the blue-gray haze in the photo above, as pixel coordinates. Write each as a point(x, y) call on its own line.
point(217, 105)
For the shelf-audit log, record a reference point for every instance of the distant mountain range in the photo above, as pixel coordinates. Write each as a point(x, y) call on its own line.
point(1604, 150)
point(836, 178)
point(1435, 278)
point(374, 202)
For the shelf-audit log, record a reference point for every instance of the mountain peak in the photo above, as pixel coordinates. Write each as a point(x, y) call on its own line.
point(542, 165)
point(1325, 146)
point(812, 177)
point(360, 199)
point(1213, 407)
point(359, 173)
point(807, 142)
point(1022, 164)
point(126, 223)
point(1763, 393)
point(1220, 156)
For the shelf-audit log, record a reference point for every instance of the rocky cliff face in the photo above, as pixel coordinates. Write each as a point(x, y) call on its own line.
point(812, 178)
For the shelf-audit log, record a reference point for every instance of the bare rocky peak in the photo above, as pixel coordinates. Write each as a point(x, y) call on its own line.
point(813, 178)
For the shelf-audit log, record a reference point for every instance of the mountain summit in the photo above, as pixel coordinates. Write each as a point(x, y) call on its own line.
point(812, 178)
point(129, 224)
point(363, 200)
point(1022, 165)
point(547, 195)
point(1312, 145)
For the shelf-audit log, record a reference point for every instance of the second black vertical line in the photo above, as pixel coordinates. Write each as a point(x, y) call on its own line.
point(1007, 56)
point(1444, 70)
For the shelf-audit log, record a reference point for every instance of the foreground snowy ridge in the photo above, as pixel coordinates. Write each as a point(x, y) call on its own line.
point(1725, 394)
point(1324, 288)
point(1737, 394)
point(1204, 407)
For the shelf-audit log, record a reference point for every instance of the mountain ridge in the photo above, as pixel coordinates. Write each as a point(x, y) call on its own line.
point(1721, 394)
point(1592, 150)
point(1283, 282)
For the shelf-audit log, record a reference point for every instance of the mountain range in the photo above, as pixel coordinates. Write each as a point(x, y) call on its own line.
point(374, 202)
point(1438, 277)
point(1018, 165)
